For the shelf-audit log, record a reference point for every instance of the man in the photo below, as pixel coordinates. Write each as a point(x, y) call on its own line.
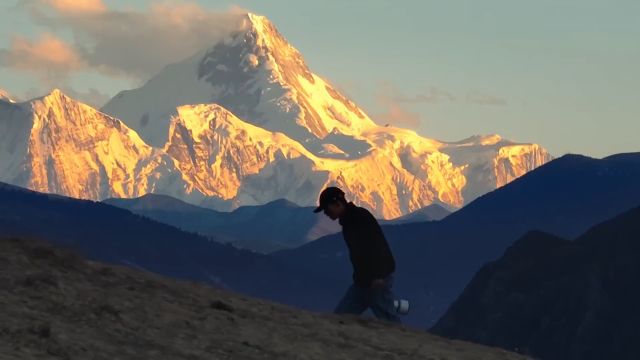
point(373, 263)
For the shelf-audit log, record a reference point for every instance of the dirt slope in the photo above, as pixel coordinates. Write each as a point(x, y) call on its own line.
point(56, 305)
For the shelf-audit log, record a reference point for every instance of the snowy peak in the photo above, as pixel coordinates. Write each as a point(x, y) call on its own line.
point(200, 118)
point(278, 71)
point(258, 76)
point(241, 164)
point(284, 60)
point(245, 122)
point(261, 25)
point(5, 96)
point(216, 151)
point(56, 144)
point(490, 161)
point(205, 120)
point(57, 93)
point(266, 34)
point(214, 158)
point(269, 47)
point(479, 140)
point(79, 121)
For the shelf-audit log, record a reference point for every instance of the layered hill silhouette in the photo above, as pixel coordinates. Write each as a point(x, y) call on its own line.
point(558, 299)
point(115, 235)
point(276, 225)
point(57, 305)
point(432, 212)
point(435, 260)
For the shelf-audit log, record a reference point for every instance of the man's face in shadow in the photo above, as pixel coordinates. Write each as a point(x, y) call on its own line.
point(334, 210)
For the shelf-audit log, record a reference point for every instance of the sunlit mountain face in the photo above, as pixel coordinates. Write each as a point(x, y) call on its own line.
point(245, 122)
point(55, 144)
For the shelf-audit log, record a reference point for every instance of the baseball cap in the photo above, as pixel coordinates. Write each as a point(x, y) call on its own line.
point(327, 196)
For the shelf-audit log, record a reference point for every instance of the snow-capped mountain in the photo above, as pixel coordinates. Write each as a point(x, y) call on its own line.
point(490, 161)
point(58, 145)
point(257, 75)
point(263, 80)
point(245, 122)
point(236, 163)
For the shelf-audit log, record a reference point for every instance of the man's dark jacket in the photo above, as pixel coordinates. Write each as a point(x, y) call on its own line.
point(368, 248)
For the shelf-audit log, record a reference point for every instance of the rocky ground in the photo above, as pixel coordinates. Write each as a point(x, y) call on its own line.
point(56, 305)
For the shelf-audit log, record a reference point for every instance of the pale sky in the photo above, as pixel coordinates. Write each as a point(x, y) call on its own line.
point(564, 73)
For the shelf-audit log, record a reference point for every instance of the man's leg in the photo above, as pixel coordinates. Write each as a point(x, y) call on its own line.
point(380, 299)
point(353, 301)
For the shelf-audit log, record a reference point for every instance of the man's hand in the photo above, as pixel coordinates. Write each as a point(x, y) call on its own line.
point(377, 283)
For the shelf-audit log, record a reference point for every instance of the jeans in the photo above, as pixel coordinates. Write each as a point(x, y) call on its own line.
point(357, 299)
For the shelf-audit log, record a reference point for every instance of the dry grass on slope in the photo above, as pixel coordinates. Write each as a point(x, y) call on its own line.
point(56, 305)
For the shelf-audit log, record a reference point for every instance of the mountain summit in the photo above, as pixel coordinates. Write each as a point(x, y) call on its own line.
point(262, 79)
point(56, 144)
point(257, 75)
point(246, 122)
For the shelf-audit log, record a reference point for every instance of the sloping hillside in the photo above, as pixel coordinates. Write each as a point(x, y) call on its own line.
point(55, 305)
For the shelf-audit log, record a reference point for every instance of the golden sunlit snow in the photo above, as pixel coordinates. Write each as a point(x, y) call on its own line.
point(300, 136)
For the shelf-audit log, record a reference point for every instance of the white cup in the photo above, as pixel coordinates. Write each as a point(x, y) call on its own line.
point(401, 306)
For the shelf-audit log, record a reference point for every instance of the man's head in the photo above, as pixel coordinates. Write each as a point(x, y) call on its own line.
point(332, 202)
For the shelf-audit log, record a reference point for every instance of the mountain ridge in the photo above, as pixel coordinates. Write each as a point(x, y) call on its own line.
point(554, 298)
point(306, 136)
point(262, 79)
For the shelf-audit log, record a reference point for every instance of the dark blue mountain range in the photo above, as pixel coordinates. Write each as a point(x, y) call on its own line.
point(435, 260)
point(558, 299)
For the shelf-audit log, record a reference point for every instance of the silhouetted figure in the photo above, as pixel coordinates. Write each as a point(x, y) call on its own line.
point(373, 263)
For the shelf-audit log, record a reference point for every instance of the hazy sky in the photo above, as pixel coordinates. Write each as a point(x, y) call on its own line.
point(563, 73)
